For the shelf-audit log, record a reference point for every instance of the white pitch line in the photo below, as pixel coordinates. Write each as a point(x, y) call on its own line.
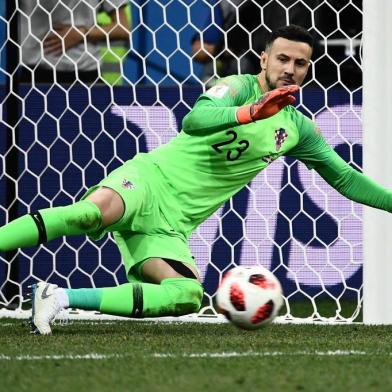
point(97, 356)
point(68, 322)
point(94, 356)
point(263, 354)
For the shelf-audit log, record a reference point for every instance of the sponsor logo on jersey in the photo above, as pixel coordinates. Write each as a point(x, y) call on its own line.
point(280, 137)
point(218, 91)
point(127, 184)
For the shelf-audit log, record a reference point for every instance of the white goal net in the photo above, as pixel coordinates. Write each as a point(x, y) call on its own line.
point(59, 138)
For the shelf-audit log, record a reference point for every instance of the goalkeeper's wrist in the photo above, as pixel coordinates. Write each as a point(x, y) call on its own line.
point(243, 115)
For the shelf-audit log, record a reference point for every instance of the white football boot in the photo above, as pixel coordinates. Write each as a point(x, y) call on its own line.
point(45, 307)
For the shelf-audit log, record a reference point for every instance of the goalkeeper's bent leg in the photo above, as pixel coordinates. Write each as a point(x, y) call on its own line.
point(172, 297)
point(45, 225)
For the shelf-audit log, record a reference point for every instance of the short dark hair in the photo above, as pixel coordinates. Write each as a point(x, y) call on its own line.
point(292, 33)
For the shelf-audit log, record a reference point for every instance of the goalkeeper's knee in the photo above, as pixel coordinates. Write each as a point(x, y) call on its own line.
point(188, 294)
point(178, 296)
point(82, 217)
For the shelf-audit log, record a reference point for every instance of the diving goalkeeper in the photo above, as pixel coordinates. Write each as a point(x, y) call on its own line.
point(155, 201)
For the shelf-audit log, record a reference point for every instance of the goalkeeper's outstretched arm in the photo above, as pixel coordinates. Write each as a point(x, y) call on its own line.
point(226, 105)
point(317, 154)
point(355, 185)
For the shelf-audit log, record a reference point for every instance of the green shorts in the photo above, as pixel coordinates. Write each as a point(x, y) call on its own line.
point(143, 231)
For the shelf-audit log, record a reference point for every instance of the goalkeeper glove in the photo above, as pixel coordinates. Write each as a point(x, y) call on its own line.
point(268, 105)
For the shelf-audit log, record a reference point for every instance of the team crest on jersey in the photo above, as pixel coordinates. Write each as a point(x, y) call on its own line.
point(127, 184)
point(280, 137)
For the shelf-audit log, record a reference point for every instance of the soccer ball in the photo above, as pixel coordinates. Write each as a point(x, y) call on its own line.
point(250, 297)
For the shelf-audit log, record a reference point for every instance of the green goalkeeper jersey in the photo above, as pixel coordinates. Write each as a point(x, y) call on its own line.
point(213, 156)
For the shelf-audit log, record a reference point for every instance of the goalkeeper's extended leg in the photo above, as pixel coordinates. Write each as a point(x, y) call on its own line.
point(172, 297)
point(100, 209)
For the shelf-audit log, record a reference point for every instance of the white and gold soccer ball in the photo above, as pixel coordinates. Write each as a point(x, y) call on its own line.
point(250, 297)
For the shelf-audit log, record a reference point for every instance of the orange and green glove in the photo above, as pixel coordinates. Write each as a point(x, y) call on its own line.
point(269, 104)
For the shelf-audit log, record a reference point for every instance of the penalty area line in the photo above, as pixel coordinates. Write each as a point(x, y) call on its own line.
point(98, 356)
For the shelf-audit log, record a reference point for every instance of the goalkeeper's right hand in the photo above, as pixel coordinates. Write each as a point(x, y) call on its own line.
point(269, 104)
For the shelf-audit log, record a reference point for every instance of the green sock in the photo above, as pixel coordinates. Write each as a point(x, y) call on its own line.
point(173, 297)
point(112, 300)
point(79, 218)
point(87, 299)
point(21, 232)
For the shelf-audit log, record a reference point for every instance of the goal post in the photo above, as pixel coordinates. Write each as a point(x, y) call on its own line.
point(377, 159)
point(64, 138)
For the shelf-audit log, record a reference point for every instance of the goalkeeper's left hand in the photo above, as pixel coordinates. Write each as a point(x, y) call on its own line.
point(268, 105)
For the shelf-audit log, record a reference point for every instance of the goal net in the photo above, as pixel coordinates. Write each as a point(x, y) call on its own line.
point(57, 139)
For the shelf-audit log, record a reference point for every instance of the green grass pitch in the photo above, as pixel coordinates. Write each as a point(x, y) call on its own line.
point(155, 356)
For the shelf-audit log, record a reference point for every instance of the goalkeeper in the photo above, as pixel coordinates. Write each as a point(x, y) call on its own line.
point(155, 201)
